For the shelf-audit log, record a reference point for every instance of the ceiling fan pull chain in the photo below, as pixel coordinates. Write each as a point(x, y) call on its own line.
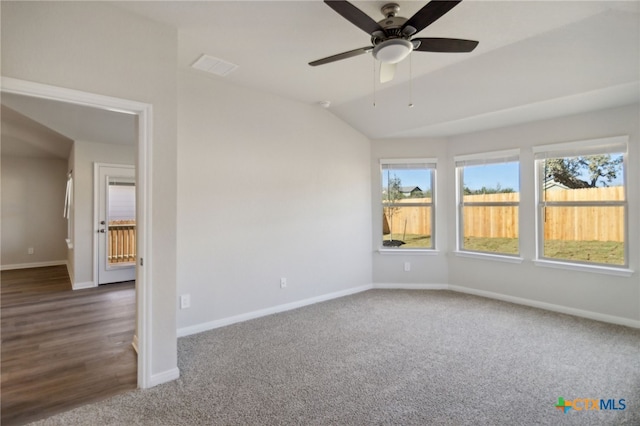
point(374, 81)
point(410, 81)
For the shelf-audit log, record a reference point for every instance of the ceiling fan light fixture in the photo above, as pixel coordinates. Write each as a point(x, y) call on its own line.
point(392, 51)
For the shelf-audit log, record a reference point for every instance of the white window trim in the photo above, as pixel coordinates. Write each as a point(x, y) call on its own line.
point(585, 147)
point(427, 162)
point(488, 157)
point(584, 267)
point(409, 251)
point(424, 160)
point(508, 258)
point(580, 148)
point(493, 157)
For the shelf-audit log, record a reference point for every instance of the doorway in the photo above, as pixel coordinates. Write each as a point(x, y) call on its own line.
point(143, 113)
point(115, 192)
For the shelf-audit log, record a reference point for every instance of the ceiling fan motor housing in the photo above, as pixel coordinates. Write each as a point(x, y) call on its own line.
point(392, 44)
point(391, 25)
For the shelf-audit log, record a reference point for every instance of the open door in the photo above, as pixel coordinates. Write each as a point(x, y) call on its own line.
point(116, 227)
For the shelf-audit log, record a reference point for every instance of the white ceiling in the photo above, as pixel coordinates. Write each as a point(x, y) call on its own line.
point(536, 59)
point(24, 137)
point(75, 121)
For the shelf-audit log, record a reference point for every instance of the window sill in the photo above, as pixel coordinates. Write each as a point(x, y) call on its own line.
point(608, 270)
point(404, 252)
point(488, 256)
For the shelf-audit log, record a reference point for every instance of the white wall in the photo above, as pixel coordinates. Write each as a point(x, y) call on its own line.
point(33, 192)
point(596, 295)
point(85, 155)
point(267, 188)
point(99, 48)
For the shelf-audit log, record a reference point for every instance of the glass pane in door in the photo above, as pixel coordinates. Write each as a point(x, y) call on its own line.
point(121, 220)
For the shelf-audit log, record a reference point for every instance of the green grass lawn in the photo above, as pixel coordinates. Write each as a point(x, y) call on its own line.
point(492, 245)
point(608, 252)
point(605, 252)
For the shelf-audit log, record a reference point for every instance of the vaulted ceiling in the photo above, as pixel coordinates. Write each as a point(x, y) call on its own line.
point(23, 136)
point(535, 60)
point(34, 127)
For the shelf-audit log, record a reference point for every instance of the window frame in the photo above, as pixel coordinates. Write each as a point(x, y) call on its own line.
point(493, 157)
point(429, 164)
point(615, 144)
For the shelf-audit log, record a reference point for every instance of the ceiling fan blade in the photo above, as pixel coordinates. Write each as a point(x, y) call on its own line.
point(430, 13)
point(354, 15)
point(387, 71)
point(340, 56)
point(452, 45)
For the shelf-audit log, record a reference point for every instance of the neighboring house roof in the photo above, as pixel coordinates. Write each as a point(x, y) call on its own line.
point(409, 189)
point(550, 184)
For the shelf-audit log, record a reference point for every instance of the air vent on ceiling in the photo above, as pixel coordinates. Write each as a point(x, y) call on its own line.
point(214, 65)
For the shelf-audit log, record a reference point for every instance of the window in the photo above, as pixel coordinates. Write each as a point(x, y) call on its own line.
point(581, 198)
point(488, 201)
point(408, 214)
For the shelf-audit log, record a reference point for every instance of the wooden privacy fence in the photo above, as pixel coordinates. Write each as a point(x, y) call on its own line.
point(122, 241)
point(491, 221)
point(584, 223)
point(593, 223)
point(409, 220)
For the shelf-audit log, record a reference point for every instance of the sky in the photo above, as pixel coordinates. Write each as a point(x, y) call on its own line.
point(419, 178)
point(507, 175)
point(475, 177)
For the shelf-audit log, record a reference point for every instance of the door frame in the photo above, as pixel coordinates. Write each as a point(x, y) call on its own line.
point(96, 215)
point(142, 339)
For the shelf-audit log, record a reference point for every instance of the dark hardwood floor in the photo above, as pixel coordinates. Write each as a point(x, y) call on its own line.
point(62, 348)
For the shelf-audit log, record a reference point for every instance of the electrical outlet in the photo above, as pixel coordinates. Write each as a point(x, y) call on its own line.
point(407, 266)
point(30, 250)
point(283, 282)
point(185, 301)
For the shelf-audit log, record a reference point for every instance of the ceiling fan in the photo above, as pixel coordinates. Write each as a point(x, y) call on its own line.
point(391, 38)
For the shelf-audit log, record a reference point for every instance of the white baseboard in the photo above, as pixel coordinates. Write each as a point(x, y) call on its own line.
point(389, 286)
point(32, 265)
point(70, 272)
point(134, 343)
point(86, 284)
point(199, 328)
point(549, 306)
point(164, 377)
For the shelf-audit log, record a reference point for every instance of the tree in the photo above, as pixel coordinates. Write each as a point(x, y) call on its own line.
point(484, 190)
point(394, 188)
point(394, 193)
point(596, 169)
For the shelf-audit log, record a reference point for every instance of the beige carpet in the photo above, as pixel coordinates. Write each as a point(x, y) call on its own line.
point(388, 357)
